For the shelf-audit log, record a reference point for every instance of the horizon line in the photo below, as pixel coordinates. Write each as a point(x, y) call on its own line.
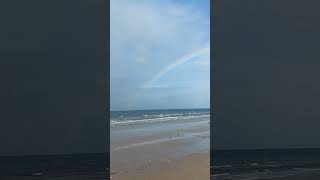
point(157, 109)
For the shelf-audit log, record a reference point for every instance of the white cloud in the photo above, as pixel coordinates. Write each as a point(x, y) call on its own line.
point(147, 36)
point(176, 63)
point(170, 28)
point(141, 60)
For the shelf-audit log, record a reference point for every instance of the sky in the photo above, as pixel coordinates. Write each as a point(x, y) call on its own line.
point(266, 75)
point(160, 54)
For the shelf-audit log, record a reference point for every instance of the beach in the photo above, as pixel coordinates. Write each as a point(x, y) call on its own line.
point(193, 166)
point(161, 145)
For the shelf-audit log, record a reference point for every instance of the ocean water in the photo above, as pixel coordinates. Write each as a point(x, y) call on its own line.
point(53, 166)
point(264, 163)
point(123, 118)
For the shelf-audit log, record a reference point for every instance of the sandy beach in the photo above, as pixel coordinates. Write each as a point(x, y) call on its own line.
point(171, 150)
point(189, 167)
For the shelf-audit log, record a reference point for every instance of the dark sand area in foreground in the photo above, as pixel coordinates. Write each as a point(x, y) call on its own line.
point(189, 167)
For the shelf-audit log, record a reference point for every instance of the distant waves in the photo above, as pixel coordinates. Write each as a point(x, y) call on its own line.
point(141, 117)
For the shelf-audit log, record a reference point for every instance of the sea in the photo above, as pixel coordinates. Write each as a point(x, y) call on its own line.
point(264, 163)
point(64, 166)
point(130, 129)
point(124, 118)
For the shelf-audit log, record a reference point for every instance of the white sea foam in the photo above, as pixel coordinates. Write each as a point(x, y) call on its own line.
point(158, 119)
point(307, 169)
point(222, 175)
point(252, 176)
point(222, 166)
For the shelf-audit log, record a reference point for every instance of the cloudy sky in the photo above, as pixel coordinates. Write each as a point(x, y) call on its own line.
point(160, 54)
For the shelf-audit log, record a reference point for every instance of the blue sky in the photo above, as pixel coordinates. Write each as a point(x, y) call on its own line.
point(160, 54)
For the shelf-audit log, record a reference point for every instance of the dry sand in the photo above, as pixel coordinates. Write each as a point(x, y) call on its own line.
point(189, 167)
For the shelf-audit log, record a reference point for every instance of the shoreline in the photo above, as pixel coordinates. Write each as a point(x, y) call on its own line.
point(159, 145)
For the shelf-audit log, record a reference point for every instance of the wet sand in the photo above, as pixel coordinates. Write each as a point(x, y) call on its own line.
point(174, 151)
point(163, 160)
point(189, 167)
